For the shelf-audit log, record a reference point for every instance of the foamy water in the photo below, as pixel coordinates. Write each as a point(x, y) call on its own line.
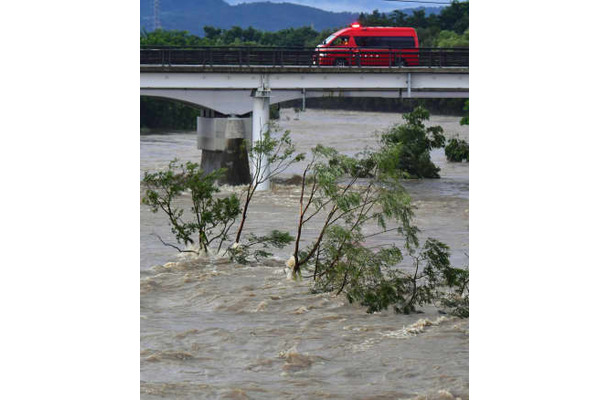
point(211, 329)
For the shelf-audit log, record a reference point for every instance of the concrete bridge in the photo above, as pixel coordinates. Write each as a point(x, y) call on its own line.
point(237, 90)
point(231, 89)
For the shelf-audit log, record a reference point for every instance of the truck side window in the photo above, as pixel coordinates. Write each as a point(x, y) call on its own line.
point(361, 41)
point(341, 41)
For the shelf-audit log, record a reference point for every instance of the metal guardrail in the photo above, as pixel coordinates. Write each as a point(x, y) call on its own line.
point(311, 57)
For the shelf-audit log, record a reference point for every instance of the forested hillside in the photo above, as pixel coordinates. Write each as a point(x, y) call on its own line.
point(192, 15)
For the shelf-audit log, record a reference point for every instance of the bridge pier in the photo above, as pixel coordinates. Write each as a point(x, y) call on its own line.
point(260, 126)
point(221, 141)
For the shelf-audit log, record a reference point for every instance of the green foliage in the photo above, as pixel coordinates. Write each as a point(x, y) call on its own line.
point(210, 217)
point(377, 286)
point(452, 39)
point(280, 153)
point(465, 120)
point(415, 141)
point(235, 36)
point(257, 247)
point(457, 150)
point(274, 112)
point(160, 37)
point(346, 206)
point(457, 305)
point(166, 114)
point(453, 18)
point(339, 260)
point(291, 37)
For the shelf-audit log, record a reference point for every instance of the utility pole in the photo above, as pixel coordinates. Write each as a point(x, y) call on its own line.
point(156, 14)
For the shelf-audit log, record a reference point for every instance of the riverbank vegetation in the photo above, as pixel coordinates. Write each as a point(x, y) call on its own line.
point(345, 201)
point(163, 114)
point(166, 114)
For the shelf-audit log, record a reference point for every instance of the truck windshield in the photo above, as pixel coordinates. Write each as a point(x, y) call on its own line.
point(328, 39)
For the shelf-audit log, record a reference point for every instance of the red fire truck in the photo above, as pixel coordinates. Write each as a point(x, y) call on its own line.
point(369, 46)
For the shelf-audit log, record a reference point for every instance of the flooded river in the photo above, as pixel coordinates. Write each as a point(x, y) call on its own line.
point(214, 330)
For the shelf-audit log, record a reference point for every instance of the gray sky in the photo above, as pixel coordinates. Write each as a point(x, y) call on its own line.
point(345, 5)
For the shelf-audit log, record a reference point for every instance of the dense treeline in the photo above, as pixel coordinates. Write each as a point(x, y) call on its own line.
point(166, 114)
point(236, 36)
point(449, 28)
point(435, 106)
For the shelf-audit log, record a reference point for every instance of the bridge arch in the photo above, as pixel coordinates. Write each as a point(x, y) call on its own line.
point(180, 101)
point(238, 102)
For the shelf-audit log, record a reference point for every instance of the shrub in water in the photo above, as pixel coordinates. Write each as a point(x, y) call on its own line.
point(457, 150)
point(415, 141)
point(210, 218)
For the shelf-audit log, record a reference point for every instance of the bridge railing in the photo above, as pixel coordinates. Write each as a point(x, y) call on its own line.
point(304, 57)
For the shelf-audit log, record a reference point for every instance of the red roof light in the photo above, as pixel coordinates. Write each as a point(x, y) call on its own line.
point(355, 25)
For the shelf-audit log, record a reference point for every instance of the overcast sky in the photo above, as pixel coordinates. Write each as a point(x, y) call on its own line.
point(345, 5)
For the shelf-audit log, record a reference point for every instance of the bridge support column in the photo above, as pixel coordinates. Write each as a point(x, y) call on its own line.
point(260, 125)
point(221, 141)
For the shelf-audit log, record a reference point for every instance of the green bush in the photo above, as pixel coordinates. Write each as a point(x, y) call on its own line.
point(457, 150)
point(211, 217)
point(415, 141)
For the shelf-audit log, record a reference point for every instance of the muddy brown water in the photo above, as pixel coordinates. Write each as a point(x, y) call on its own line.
point(210, 329)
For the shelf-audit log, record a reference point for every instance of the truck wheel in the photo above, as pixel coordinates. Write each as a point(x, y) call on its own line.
point(340, 62)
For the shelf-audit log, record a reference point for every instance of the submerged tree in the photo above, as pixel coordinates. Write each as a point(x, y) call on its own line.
point(434, 280)
point(415, 141)
point(335, 196)
point(457, 150)
point(277, 154)
point(210, 217)
point(351, 196)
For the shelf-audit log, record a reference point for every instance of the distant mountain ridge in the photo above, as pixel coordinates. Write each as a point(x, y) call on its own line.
point(193, 15)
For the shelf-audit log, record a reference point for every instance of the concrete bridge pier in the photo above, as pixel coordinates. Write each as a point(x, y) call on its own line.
point(260, 125)
point(222, 142)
